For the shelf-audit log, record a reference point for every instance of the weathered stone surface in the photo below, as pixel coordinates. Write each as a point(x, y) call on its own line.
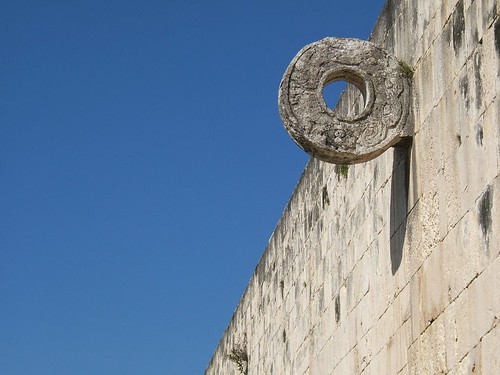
point(328, 134)
point(393, 266)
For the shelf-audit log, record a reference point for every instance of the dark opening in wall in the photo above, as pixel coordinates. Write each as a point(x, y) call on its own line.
point(337, 308)
point(458, 22)
point(485, 206)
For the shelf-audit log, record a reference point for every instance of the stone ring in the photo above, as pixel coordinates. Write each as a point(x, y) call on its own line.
point(345, 138)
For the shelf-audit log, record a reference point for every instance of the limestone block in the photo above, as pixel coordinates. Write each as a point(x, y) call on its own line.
point(428, 295)
point(348, 364)
point(300, 361)
point(470, 364)
point(473, 153)
point(428, 145)
point(450, 195)
point(490, 360)
point(405, 26)
point(436, 54)
point(427, 354)
point(484, 300)
point(457, 330)
point(382, 332)
point(397, 349)
point(321, 364)
point(327, 325)
point(365, 352)
point(423, 97)
point(423, 17)
point(461, 251)
point(490, 67)
point(422, 233)
point(378, 365)
point(359, 284)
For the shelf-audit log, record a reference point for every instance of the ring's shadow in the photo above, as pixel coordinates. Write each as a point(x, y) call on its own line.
point(399, 201)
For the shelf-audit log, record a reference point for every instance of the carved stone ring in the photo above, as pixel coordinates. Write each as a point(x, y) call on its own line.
point(325, 133)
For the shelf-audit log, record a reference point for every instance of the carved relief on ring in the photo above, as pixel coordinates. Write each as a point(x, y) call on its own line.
point(344, 138)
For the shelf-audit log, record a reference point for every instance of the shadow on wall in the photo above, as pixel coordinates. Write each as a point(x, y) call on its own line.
point(399, 202)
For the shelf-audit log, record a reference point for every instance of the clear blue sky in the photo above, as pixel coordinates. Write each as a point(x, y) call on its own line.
point(143, 167)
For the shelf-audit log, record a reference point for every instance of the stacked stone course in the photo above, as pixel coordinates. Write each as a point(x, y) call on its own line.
point(392, 266)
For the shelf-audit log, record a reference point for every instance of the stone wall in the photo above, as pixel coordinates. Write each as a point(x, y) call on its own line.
point(392, 266)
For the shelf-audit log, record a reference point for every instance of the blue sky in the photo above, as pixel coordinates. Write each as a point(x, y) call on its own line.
point(143, 167)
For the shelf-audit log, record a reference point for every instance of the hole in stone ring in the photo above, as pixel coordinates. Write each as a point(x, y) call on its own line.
point(355, 90)
point(332, 92)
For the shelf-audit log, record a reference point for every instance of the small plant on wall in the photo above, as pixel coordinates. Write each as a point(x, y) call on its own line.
point(341, 170)
point(239, 357)
point(406, 69)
